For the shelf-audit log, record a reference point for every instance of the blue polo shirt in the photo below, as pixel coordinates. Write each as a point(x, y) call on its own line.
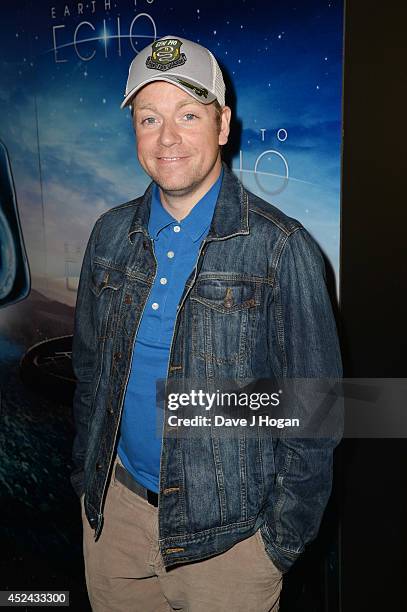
point(176, 247)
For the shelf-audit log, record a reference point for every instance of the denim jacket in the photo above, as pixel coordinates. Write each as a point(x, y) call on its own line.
point(218, 490)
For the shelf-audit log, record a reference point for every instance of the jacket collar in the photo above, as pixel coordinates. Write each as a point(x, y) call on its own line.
point(230, 218)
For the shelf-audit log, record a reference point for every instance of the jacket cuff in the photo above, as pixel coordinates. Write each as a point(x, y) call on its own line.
point(282, 558)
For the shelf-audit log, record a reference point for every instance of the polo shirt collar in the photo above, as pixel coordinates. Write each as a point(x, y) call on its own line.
point(159, 216)
point(195, 223)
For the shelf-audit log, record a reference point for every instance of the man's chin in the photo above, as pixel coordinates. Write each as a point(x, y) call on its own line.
point(176, 189)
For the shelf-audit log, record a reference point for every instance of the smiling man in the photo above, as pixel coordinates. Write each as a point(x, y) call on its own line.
point(197, 279)
point(178, 141)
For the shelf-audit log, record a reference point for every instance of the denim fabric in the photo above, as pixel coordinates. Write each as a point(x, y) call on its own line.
point(214, 491)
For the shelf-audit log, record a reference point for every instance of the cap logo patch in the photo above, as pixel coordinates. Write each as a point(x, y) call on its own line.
point(200, 91)
point(166, 54)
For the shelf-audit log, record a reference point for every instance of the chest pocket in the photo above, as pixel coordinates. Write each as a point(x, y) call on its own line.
point(105, 284)
point(224, 314)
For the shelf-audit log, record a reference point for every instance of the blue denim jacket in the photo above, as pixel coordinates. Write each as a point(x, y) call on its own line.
point(280, 324)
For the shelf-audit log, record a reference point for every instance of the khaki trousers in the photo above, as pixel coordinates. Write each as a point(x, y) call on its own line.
point(125, 572)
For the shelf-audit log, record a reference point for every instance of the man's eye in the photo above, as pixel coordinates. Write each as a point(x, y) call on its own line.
point(148, 120)
point(190, 116)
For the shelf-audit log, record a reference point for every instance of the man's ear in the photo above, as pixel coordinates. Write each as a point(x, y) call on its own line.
point(226, 114)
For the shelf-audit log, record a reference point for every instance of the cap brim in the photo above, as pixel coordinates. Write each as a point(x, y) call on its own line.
point(193, 88)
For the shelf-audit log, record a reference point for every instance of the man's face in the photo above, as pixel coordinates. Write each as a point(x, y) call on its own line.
point(178, 138)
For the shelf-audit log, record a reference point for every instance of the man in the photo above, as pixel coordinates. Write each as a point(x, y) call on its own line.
point(196, 280)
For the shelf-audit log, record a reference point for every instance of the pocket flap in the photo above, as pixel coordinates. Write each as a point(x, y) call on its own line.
point(226, 295)
point(105, 278)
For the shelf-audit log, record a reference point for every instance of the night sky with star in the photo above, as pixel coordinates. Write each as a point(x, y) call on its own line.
point(72, 149)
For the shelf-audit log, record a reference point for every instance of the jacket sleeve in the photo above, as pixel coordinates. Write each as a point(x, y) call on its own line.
point(84, 356)
point(304, 329)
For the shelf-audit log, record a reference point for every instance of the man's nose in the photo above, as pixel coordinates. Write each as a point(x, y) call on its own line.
point(169, 134)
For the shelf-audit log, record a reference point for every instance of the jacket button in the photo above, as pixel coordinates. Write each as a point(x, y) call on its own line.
point(99, 466)
point(145, 244)
point(228, 301)
point(171, 490)
point(127, 298)
point(110, 410)
point(170, 551)
point(117, 356)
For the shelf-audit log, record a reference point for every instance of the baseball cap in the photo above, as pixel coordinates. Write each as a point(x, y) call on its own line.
point(182, 62)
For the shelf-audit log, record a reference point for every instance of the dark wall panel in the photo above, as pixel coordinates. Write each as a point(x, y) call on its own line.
point(373, 281)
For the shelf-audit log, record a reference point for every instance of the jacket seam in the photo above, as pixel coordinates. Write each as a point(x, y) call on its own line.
point(277, 297)
point(127, 272)
point(274, 221)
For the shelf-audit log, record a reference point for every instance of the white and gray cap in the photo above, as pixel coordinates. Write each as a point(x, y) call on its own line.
point(182, 62)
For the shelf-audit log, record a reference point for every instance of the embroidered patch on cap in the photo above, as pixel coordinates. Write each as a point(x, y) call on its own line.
point(200, 91)
point(166, 54)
